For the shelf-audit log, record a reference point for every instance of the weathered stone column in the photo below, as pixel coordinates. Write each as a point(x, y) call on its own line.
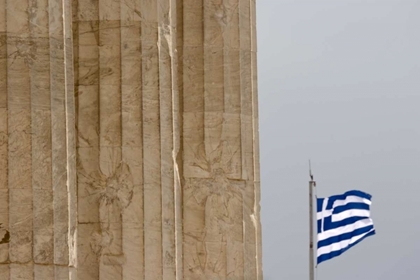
point(221, 227)
point(127, 109)
point(129, 140)
point(37, 153)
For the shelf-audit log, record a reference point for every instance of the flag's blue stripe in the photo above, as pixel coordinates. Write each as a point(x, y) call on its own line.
point(319, 202)
point(319, 222)
point(351, 206)
point(333, 254)
point(337, 210)
point(329, 224)
point(351, 193)
point(333, 198)
point(344, 236)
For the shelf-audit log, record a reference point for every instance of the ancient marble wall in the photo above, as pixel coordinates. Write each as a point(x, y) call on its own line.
point(129, 140)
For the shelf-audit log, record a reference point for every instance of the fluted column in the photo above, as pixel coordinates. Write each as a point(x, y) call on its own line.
point(126, 101)
point(129, 140)
point(221, 225)
point(37, 151)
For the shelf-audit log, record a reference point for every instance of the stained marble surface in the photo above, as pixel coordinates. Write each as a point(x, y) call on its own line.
point(129, 140)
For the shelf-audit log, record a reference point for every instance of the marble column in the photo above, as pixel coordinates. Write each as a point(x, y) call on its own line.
point(129, 140)
point(37, 147)
point(221, 193)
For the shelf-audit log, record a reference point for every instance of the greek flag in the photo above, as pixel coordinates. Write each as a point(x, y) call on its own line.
point(343, 221)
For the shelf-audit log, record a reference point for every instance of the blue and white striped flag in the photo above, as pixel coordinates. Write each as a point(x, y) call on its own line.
point(343, 221)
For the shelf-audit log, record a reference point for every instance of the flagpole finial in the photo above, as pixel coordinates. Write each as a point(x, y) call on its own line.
point(310, 172)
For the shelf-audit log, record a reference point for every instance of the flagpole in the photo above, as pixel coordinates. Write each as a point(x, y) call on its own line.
point(312, 184)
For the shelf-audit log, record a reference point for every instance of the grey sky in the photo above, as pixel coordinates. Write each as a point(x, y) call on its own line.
point(339, 82)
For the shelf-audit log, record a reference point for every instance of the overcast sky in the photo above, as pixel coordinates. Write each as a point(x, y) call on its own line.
point(339, 83)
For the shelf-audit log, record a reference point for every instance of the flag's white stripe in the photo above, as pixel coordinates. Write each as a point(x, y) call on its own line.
point(323, 214)
point(350, 213)
point(340, 245)
point(345, 229)
point(341, 202)
point(352, 199)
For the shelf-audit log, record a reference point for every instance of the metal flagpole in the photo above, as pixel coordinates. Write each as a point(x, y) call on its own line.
point(312, 184)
